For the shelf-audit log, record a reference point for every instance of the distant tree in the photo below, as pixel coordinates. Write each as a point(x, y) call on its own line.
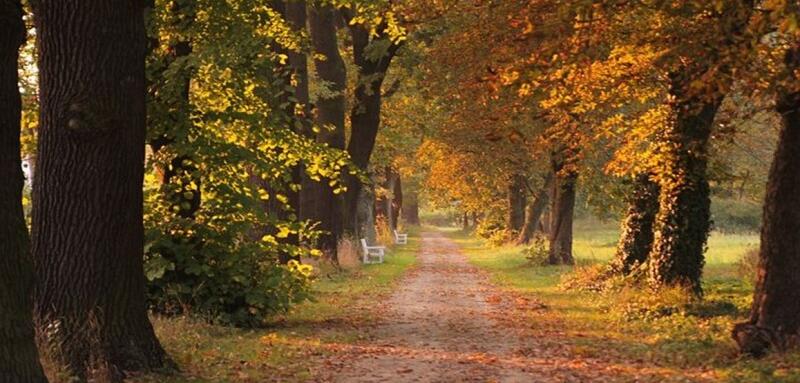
point(19, 359)
point(88, 234)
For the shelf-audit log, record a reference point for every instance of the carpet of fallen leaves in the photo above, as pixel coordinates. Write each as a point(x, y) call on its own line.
point(446, 322)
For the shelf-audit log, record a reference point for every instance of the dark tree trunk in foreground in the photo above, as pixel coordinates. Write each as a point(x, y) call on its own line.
point(534, 211)
point(636, 240)
point(775, 315)
point(87, 217)
point(19, 360)
point(683, 220)
point(516, 203)
point(365, 116)
point(465, 222)
point(561, 215)
point(410, 209)
point(330, 114)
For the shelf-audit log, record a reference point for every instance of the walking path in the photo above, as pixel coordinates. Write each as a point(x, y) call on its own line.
point(447, 323)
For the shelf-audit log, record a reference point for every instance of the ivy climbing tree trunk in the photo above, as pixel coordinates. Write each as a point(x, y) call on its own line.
point(534, 211)
point(636, 240)
point(19, 359)
point(330, 115)
point(365, 116)
point(87, 216)
point(683, 220)
point(562, 213)
point(516, 203)
point(775, 314)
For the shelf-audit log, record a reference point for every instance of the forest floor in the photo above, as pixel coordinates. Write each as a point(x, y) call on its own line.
point(447, 307)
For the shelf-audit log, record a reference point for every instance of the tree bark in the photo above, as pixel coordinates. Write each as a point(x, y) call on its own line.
point(365, 116)
point(397, 200)
point(410, 209)
point(465, 222)
point(683, 220)
point(561, 215)
point(87, 218)
point(636, 240)
point(19, 359)
point(534, 212)
point(330, 115)
point(775, 314)
point(516, 203)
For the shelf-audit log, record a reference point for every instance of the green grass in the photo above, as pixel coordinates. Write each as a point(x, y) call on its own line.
point(696, 339)
point(287, 350)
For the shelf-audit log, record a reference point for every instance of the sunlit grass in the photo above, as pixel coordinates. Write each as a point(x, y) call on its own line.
point(593, 325)
point(287, 350)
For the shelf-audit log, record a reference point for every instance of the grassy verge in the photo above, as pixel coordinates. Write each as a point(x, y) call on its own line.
point(611, 325)
point(288, 350)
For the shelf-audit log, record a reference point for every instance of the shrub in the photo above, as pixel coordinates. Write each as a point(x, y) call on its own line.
point(747, 267)
point(537, 252)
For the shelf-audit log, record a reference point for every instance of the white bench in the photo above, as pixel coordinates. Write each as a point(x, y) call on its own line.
point(400, 239)
point(372, 252)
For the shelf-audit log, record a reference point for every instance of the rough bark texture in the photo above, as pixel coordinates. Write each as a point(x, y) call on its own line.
point(636, 240)
point(87, 217)
point(775, 314)
point(330, 114)
point(534, 211)
point(561, 215)
point(365, 115)
point(516, 203)
point(683, 220)
point(19, 359)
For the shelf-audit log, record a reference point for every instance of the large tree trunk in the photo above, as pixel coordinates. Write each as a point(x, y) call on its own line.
point(410, 208)
point(534, 212)
point(87, 217)
point(683, 220)
point(516, 203)
point(19, 360)
point(561, 214)
point(365, 116)
point(636, 240)
point(330, 115)
point(775, 315)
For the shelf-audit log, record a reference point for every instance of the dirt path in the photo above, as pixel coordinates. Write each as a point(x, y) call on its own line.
point(446, 323)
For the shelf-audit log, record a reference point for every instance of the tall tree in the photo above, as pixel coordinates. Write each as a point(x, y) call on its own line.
point(775, 314)
point(19, 359)
point(534, 211)
point(562, 211)
point(330, 114)
point(87, 217)
point(636, 240)
point(516, 202)
point(373, 52)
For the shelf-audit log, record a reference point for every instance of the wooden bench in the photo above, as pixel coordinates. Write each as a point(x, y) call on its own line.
point(400, 239)
point(372, 252)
